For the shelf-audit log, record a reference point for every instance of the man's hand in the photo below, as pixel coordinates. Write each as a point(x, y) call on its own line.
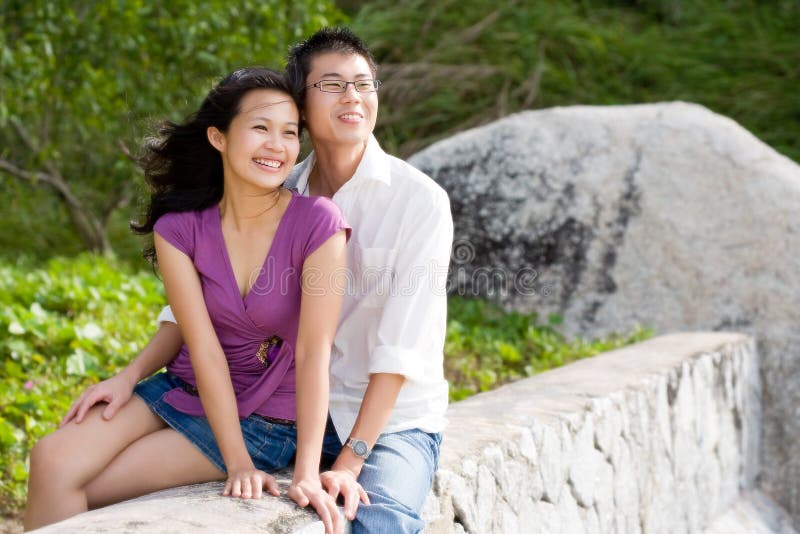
point(305, 492)
point(115, 391)
point(342, 482)
point(249, 483)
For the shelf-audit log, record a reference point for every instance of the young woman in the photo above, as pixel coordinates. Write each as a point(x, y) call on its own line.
point(249, 269)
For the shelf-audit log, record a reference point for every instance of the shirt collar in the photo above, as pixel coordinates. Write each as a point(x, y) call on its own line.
point(374, 165)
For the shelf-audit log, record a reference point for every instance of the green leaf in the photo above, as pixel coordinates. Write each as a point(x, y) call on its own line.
point(19, 472)
point(80, 362)
point(509, 353)
point(7, 436)
point(15, 328)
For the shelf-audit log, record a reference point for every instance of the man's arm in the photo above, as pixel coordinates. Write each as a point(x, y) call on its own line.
point(411, 331)
point(375, 410)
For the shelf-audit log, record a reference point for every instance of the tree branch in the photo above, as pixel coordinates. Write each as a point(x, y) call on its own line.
point(127, 151)
point(88, 227)
point(27, 138)
point(25, 135)
point(465, 36)
point(125, 194)
point(22, 174)
point(119, 200)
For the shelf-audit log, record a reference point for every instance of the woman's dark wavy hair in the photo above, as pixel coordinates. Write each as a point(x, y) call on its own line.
point(181, 167)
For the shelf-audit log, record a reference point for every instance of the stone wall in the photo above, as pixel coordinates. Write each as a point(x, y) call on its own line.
point(658, 437)
point(661, 436)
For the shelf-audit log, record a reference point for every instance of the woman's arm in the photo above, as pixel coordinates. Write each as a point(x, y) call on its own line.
point(376, 407)
point(323, 291)
point(185, 295)
point(117, 390)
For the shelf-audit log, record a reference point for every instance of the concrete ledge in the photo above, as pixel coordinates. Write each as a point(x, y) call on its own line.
point(661, 436)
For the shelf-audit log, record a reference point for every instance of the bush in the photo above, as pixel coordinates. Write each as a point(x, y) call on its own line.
point(449, 66)
point(62, 327)
point(486, 347)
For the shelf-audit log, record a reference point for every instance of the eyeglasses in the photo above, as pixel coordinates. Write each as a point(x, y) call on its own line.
point(340, 86)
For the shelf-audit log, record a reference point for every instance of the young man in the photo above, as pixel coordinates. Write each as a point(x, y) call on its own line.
point(388, 395)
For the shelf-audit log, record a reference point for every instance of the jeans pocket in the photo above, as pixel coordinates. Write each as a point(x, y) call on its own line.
point(277, 444)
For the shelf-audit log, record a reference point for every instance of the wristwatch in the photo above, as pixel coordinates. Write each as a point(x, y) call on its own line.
point(359, 447)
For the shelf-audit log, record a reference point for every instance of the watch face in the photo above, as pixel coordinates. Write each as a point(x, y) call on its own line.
point(360, 448)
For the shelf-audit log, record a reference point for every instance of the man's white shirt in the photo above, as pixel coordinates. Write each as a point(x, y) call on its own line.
point(394, 314)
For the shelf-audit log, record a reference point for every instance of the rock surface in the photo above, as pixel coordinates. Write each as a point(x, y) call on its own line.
point(754, 513)
point(199, 509)
point(663, 215)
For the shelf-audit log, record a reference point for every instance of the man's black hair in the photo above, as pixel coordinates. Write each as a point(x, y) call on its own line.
point(339, 39)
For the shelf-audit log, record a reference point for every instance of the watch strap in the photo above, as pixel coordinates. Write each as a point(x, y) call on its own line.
point(359, 447)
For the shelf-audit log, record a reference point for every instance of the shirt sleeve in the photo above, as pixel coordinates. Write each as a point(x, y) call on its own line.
point(325, 220)
point(178, 229)
point(413, 324)
point(166, 316)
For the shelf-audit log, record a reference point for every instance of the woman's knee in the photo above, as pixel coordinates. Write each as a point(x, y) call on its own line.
point(55, 454)
point(47, 456)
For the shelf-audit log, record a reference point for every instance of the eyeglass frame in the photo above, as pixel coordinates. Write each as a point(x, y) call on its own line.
point(376, 83)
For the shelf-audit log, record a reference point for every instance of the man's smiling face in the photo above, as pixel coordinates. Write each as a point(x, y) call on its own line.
point(340, 118)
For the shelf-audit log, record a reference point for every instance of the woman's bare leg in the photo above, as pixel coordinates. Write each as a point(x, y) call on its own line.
point(163, 459)
point(64, 462)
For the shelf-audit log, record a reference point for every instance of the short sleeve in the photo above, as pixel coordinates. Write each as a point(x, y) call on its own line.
point(325, 220)
point(166, 316)
point(178, 229)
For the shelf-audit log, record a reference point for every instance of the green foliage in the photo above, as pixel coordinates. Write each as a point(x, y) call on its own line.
point(81, 80)
point(62, 327)
point(486, 347)
point(72, 323)
point(454, 64)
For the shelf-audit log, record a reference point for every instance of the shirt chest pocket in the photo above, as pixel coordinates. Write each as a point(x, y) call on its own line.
point(374, 274)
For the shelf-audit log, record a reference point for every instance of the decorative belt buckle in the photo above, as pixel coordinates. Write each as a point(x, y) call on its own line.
point(264, 348)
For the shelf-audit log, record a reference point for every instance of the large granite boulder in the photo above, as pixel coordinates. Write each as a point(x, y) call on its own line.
point(663, 215)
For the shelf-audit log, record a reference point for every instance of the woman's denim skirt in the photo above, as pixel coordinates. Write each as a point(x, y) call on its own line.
point(271, 444)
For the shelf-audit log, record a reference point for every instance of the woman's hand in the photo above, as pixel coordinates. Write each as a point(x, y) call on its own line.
point(308, 491)
point(115, 391)
point(342, 482)
point(249, 483)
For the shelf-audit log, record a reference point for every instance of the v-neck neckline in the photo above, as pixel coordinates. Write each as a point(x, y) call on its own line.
point(229, 266)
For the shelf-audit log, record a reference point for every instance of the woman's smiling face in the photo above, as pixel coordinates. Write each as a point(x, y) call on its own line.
point(262, 142)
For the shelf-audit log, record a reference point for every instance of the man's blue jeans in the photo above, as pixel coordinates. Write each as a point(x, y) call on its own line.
point(397, 476)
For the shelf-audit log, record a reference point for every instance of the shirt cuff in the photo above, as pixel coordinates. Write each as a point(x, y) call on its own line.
point(166, 316)
point(397, 361)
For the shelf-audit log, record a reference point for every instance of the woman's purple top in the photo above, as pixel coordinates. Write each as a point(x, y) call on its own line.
point(271, 308)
